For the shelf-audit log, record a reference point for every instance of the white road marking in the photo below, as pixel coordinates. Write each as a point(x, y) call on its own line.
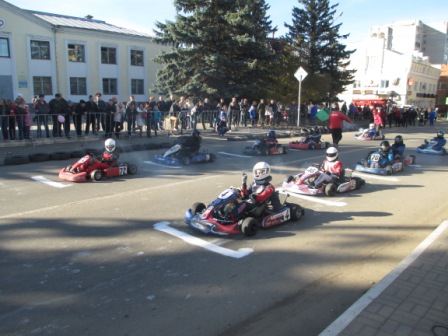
point(165, 227)
point(162, 165)
point(377, 177)
point(238, 155)
point(316, 199)
point(49, 182)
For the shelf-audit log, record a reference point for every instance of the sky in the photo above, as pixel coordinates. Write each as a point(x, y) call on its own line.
point(356, 16)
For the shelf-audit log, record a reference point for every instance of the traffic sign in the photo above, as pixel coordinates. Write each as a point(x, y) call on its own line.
point(300, 74)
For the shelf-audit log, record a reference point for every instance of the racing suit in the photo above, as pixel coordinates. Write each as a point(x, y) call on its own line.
point(438, 143)
point(315, 136)
point(107, 160)
point(398, 150)
point(259, 192)
point(386, 159)
point(191, 145)
point(331, 171)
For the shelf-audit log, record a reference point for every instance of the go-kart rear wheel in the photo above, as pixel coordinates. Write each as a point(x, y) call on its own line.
point(185, 160)
point(197, 207)
point(311, 146)
point(330, 189)
point(132, 169)
point(96, 175)
point(296, 211)
point(249, 227)
point(212, 157)
point(285, 149)
point(359, 182)
point(388, 170)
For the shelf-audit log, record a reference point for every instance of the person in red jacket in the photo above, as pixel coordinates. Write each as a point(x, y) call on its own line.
point(336, 121)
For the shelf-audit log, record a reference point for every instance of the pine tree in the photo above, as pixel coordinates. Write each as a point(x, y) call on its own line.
point(216, 48)
point(316, 43)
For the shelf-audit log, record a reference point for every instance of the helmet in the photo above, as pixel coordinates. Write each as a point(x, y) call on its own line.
point(195, 133)
point(371, 126)
point(261, 171)
point(384, 146)
point(332, 154)
point(398, 140)
point(440, 134)
point(272, 134)
point(110, 145)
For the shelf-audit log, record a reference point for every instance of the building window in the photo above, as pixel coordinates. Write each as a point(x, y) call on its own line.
point(4, 47)
point(108, 55)
point(78, 86)
point(40, 50)
point(137, 57)
point(137, 86)
point(384, 84)
point(42, 85)
point(76, 52)
point(356, 84)
point(110, 86)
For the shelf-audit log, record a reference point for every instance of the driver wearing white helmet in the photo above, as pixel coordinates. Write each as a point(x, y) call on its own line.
point(110, 156)
point(331, 167)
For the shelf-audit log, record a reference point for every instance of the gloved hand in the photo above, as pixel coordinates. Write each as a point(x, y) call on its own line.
point(244, 178)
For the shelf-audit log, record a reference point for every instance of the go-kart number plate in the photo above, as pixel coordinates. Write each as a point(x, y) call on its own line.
point(311, 170)
point(123, 170)
point(375, 157)
point(84, 159)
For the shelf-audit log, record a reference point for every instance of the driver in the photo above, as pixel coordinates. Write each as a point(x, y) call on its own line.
point(315, 135)
point(370, 132)
point(259, 192)
point(398, 147)
point(271, 139)
point(332, 168)
point(109, 158)
point(438, 141)
point(386, 155)
point(192, 143)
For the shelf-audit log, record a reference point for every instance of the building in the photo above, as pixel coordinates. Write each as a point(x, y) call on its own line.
point(400, 62)
point(48, 53)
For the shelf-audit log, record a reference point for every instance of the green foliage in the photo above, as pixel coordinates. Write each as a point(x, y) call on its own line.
point(217, 48)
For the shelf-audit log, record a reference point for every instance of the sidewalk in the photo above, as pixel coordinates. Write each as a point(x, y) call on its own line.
point(410, 300)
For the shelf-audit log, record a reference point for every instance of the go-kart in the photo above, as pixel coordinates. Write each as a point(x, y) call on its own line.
point(303, 183)
point(427, 148)
point(371, 164)
point(216, 218)
point(87, 168)
point(180, 155)
point(308, 143)
point(364, 135)
point(263, 147)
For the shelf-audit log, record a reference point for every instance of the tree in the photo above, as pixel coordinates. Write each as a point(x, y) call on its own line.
point(217, 48)
point(316, 46)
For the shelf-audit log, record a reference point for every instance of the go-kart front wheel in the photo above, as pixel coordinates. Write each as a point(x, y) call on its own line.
point(96, 175)
point(330, 189)
point(197, 207)
point(249, 227)
point(185, 160)
point(296, 211)
point(132, 169)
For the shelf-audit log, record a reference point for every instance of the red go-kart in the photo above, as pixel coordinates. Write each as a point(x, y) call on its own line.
point(91, 167)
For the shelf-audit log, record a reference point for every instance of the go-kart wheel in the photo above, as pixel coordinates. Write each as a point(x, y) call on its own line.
point(413, 159)
point(249, 227)
point(311, 146)
point(185, 160)
point(197, 207)
point(96, 175)
point(296, 211)
point(132, 169)
point(359, 182)
point(212, 157)
point(330, 189)
point(285, 150)
point(265, 152)
point(388, 170)
point(290, 178)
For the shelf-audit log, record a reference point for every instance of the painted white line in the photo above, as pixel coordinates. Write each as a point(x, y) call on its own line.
point(230, 154)
point(49, 182)
point(161, 165)
point(165, 227)
point(376, 177)
point(354, 310)
point(416, 166)
point(316, 199)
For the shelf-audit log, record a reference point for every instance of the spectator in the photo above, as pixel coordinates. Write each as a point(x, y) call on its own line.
point(293, 109)
point(234, 114)
point(432, 117)
point(80, 111)
point(92, 110)
point(58, 106)
point(4, 116)
point(336, 120)
point(244, 114)
point(10, 110)
point(101, 107)
point(42, 111)
point(109, 115)
point(253, 114)
point(261, 111)
point(131, 114)
point(377, 121)
point(119, 115)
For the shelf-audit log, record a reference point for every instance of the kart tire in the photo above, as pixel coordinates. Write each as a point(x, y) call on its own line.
point(265, 152)
point(185, 160)
point(132, 169)
point(290, 178)
point(285, 150)
point(96, 175)
point(212, 157)
point(60, 156)
point(296, 211)
point(249, 227)
point(359, 182)
point(39, 157)
point(197, 207)
point(330, 189)
point(16, 160)
point(383, 137)
point(413, 158)
point(312, 146)
point(388, 170)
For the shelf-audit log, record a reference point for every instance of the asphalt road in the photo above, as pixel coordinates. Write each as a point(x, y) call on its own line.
point(115, 258)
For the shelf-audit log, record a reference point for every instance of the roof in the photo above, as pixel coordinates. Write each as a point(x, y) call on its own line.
point(84, 23)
